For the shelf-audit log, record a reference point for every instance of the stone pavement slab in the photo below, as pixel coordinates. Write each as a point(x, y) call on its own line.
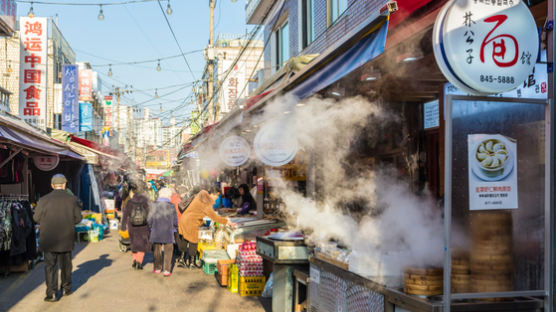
point(103, 280)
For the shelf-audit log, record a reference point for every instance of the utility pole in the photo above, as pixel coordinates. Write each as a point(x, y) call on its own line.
point(118, 92)
point(210, 67)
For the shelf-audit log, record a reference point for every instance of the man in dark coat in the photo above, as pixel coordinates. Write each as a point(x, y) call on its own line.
point(57, 214)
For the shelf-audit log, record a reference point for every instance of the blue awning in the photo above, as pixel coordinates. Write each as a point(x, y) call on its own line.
point(331, 69)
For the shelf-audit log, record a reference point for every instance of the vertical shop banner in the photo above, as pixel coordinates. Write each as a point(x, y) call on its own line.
point(70, 98)
point(492, 172)
point(86, 85)
point(108, 115)
point(32, 82)
point(85, 116)
point(233, 85)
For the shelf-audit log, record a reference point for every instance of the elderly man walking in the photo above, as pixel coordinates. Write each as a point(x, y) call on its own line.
point(57, 213)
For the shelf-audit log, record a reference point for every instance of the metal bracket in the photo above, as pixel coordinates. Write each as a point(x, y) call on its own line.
point(549, 25)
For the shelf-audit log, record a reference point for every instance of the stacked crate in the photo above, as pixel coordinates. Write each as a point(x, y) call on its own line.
point(223, 266)
point(250, 267)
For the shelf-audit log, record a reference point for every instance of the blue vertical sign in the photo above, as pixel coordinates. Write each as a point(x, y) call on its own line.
point(70, 98)
point(85, 116)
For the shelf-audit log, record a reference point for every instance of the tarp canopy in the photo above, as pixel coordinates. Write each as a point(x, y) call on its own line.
point(91, 155)
point(18, 133)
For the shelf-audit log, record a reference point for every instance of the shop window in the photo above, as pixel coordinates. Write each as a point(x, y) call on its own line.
point(306, 24)
point(335, 9)
point(281, 51)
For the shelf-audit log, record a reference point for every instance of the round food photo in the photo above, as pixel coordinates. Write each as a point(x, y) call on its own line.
point(493, 160)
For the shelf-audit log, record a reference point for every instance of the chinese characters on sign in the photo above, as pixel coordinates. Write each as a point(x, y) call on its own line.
point(492, 163)
point(33, 57)
point(486, 46)
point(70, 98)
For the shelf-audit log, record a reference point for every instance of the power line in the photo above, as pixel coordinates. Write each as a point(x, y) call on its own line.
point(85, 3)
point(176, 39)
point(146, 61)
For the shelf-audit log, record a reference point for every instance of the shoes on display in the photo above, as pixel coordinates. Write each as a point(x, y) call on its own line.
point(50, 299)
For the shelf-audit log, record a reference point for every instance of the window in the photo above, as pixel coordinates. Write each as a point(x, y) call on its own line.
point(335, 9)
point(281, 53)
point(307, 27)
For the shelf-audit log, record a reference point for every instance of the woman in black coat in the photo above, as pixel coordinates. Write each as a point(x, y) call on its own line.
point(138, 235)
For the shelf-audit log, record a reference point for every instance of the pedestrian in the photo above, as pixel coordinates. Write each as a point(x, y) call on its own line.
point(163, 222)
point(57, 213)
point(247, 201)
point(192, 219)
point(135, 221)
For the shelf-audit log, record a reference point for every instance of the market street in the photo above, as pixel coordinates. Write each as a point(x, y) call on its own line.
point(103, 280)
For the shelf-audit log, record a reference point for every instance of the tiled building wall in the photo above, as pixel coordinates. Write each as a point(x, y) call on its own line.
point(357, 12)
point(9, 80)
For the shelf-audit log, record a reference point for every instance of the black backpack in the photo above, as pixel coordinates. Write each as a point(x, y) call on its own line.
point(138, 216)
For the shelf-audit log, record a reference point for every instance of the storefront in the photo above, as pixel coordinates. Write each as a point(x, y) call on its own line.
point(28, 159)
point(463, 183)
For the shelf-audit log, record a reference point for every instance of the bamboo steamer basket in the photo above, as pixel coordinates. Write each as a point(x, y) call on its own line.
point(491, 256)
point(423, 281)
point(460, 275)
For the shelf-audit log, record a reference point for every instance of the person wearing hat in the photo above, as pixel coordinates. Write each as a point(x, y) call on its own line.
point(57, 213)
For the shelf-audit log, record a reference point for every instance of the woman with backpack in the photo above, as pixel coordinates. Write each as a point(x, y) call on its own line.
point(134, 220)
point(163, 222)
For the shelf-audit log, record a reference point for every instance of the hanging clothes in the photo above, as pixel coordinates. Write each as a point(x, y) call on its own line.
point(5, 226)
point(22, 226)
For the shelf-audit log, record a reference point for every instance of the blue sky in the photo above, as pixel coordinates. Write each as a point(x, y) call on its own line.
point(137, 32)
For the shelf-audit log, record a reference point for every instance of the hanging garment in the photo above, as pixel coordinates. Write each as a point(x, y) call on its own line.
point(21, 228)
point(5, 226)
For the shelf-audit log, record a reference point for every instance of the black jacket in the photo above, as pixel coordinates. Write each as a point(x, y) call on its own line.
point(57, 214)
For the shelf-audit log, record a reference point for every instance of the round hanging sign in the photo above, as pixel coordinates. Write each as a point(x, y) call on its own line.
point(275, 144)
point(486, 47)
point(46, 162)
point(234, 151)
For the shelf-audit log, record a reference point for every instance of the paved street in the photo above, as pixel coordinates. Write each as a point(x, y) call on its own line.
point(103, 280)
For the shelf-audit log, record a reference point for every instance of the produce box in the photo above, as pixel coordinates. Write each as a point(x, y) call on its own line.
point(251, 286)
point(222, 266)
point(205, 246)
point(222, 279)
point(211, 257)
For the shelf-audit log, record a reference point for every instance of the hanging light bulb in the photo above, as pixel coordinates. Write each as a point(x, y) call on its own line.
point(31, 14)
point(156, 93)
point(158, 68)
point(100, 13)
point(110, 70)
point(169, 9)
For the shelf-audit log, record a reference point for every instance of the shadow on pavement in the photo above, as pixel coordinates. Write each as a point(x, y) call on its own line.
point(18, 285)
point(88, 269)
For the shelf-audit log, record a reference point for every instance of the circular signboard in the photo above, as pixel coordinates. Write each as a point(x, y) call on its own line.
point(486, 47)
point(234, 151)
point(275, 144)
point(46, 162)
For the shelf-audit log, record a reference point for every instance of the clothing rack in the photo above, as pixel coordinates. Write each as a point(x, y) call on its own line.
point(14, 197)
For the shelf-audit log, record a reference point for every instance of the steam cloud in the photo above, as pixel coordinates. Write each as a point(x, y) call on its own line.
point(397, 229)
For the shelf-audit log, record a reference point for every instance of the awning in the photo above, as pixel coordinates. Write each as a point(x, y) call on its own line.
point(359, 47)
point(11, 131)
point(90, 154)
point(342, 62)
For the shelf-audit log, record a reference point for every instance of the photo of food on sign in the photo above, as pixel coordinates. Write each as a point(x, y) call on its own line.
point(493, 158)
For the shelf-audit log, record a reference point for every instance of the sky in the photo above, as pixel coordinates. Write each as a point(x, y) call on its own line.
point(138, 32)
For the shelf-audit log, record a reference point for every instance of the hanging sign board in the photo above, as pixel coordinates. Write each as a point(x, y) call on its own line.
point(234, 151)
point(486, 47)
point(431, 115)
point(492, 172)
point(275, 143)
point(46, 162)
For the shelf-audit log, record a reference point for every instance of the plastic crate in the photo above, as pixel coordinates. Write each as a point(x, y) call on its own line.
point(209, 268)
point(222, 266)
point(251, 285)
point(202, 246)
